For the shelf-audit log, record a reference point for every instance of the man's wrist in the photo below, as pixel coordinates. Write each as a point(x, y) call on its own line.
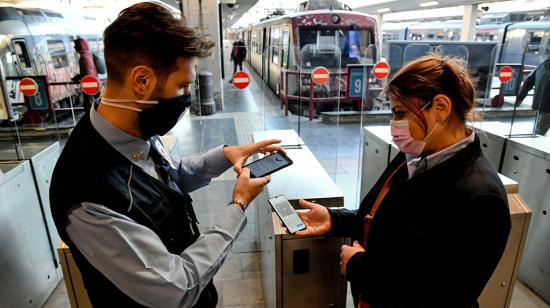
point(238, 203)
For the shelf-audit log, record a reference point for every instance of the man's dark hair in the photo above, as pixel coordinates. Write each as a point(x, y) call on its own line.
point(148, 34)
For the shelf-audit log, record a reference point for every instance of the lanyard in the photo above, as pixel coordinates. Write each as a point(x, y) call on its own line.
point(385, 189)
point(370, 216)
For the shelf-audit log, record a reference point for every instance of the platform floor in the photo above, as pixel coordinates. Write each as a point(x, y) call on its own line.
point(257, 108)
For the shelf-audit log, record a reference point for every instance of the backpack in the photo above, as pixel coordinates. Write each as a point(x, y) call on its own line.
point(99, 63)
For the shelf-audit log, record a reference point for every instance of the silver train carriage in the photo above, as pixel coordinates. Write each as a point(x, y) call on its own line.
point(37, 42)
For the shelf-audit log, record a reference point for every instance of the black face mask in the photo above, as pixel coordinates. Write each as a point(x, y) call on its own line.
point(162, 117)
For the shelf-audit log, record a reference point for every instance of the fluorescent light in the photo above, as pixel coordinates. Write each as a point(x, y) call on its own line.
point(430, 3)
point(384, 10)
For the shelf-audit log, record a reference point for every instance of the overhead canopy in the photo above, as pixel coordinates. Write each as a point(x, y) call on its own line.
point(392, 6)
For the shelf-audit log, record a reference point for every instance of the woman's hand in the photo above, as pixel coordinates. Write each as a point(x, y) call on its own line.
point(347, 253)
point(238, 155)
point(317, 219)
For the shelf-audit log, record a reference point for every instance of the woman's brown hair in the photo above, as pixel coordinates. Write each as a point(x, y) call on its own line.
point(428, 76)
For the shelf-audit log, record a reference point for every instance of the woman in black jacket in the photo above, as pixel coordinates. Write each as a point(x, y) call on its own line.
point(434, 226)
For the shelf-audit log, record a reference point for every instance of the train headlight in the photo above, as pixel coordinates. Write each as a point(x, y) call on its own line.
point(335, 19)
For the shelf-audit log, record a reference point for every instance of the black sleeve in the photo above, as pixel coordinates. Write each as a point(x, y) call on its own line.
point(343, 221)
point(485, 236)
point(527, 85)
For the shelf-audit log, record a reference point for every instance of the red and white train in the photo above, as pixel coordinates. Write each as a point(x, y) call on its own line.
point(285, 49)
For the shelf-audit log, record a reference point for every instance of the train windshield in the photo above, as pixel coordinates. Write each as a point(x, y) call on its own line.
point(327, 47)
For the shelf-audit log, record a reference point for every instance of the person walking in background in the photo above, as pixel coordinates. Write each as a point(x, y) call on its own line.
point(238, 53)
point(87, 67)
point(540, 79)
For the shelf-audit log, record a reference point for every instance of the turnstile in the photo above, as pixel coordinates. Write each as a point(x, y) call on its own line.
point(527, 160)
point(297, 271)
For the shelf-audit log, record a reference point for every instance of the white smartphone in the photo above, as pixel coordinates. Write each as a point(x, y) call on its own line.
point(288, 215)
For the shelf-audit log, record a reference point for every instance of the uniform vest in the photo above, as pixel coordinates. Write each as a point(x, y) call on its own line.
point(91, 170)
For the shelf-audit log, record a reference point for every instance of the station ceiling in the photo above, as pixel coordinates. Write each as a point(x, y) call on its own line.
point(230, 15)
point(393, 6)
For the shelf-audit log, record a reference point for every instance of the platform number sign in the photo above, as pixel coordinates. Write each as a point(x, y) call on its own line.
point(357, 81)
point(38, 101)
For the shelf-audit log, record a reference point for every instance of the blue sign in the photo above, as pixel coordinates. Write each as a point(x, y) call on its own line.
point(511, 87)
point(357, 81)
point(40, 100)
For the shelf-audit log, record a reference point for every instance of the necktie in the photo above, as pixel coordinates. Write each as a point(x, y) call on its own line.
point(167, 174)
point(170, 176)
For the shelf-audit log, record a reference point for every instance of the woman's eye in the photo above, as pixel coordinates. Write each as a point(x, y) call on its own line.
point(399, 114)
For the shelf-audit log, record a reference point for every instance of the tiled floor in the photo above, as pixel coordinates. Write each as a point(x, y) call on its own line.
point(336, 147)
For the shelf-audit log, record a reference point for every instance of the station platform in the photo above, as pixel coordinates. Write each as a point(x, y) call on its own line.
point(335, 145)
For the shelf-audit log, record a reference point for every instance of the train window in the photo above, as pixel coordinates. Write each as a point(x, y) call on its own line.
point(285, 47)
point(333, 47)
point(22, 53)
point(275, 44)
point(534, 41)
point(58, 53)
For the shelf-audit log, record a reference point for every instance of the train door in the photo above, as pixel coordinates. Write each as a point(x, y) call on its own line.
point(265, 53)
point(275, 59)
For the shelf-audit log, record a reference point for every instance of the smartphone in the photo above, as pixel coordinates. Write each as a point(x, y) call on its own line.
point(288, 215)
point(268, 164)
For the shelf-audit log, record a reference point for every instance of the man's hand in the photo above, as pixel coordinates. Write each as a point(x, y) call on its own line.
point(347, 253)
point(246, 189)
point(238, 155)
point(317, 219)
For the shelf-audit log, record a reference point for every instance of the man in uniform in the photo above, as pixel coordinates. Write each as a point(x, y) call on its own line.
point(120, 201)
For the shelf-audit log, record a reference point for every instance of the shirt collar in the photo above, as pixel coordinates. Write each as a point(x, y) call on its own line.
point(134, 149)
point(429, 162)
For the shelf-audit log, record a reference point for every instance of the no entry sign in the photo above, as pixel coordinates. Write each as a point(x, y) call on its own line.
point(89, 85)
point(505, 74)
point(241, 80)
point(28, 86)
point(319, 75)
point(381, 70)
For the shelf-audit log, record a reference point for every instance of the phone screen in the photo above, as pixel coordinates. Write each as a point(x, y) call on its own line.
point(268, 164)
point(287, 214)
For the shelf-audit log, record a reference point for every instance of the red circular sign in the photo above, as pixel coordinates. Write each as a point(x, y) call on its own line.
point(381, 70)
point(505, 74)
point(28, 86)
point(320, 75)
point(89, 85)
point(241, 79)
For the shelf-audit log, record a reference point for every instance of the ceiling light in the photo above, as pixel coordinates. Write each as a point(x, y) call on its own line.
point(430, 3)
point(384, 10)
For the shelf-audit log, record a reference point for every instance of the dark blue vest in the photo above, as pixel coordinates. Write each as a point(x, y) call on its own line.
point(91, 170)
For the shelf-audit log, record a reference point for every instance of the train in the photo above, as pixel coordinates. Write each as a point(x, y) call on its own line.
point(39, 42)
point(284, 50)
point(522, 41)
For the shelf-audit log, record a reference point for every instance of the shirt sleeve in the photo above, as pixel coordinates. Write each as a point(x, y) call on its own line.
point(197, 170)
point(134, 258)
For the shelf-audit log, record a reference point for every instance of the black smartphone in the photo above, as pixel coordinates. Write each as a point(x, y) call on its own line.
point(268, 164)
point(287, 213)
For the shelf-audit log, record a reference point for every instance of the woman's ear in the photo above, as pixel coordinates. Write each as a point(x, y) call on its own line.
point(443, 107)
point(143, 80)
